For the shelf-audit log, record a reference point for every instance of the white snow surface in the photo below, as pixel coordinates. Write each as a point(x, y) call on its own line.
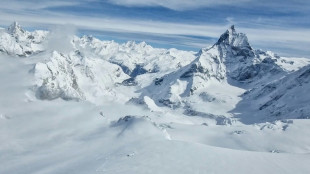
point(106, 107)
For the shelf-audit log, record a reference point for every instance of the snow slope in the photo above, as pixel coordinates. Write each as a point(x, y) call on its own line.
point(285, 98)
point(82, 138)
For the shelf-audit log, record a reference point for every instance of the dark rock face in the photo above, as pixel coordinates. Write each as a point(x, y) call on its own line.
point(137, 101)
point(244, 52)
point(195, 68)
point(129, 82)
point(220, 119)
point(255, 70)
point(158, 81)
point(170, 104)
point(138, 71)
point(304, 77)
point(234, 39)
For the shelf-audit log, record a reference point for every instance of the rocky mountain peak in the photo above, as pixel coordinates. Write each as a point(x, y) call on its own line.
point(232, 38)
point(15, 29)
point(233, 56)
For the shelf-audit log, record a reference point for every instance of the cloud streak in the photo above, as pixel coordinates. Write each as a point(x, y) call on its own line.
point(18, 5)
point(176, 4)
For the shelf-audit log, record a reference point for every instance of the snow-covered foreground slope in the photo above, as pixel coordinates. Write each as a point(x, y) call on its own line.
point(77, 137)
point(104, 107)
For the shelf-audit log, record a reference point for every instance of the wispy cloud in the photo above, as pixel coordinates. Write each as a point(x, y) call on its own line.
point(17, 5)
point(60, 38)
point(177, 4)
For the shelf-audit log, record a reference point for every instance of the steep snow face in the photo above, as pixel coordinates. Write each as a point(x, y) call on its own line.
point(198, 89)
point(171, 89)
point(16, 41)
point(285, 98)
point(74, 76)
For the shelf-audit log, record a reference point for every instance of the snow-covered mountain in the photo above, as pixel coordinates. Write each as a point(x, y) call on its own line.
point(242, 62)
point(74, 104)
point(74, 76)
point(94, 68)
point(16, 41)
point(97, 68)
point(134, 58)
point(231, 62)
point(196, 83)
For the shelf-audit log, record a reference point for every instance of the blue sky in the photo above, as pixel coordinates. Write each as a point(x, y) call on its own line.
point(282, 26)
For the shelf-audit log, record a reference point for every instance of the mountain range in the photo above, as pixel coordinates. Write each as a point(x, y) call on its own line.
point(229, 74)
point(72, 104)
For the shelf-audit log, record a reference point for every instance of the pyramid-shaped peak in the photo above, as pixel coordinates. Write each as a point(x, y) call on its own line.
point(233, 38)
point(15, 28)
point(232, 28)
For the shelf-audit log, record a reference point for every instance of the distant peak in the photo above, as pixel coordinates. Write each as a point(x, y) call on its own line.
point(15, 25)
point(130, 43)
point(232, 28)
point(232, 38)
point(15, 28)
point(232, 31)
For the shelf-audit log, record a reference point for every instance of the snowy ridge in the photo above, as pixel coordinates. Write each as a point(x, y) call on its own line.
point(16, 41)
point(74, 76)
point(134, 58)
